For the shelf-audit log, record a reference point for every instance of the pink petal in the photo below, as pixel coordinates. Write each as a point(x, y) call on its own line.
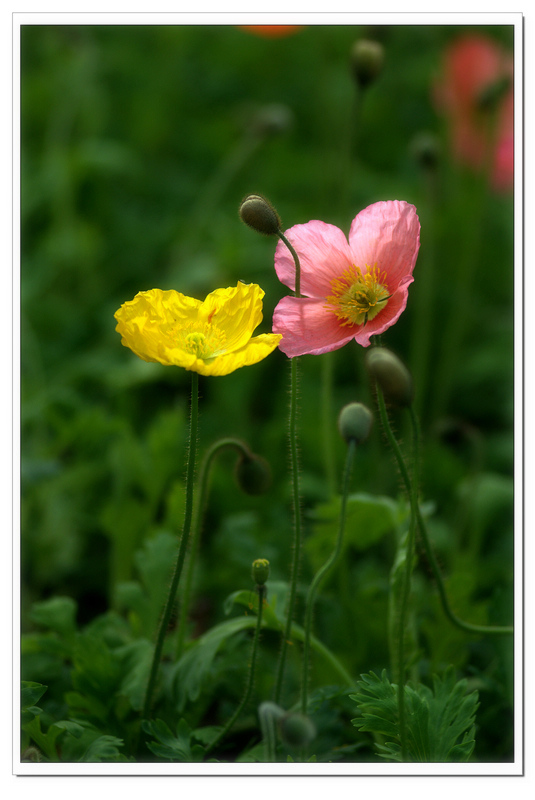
point(307, 327)
point(386, 235)
point(324, 254)
point(388, 316)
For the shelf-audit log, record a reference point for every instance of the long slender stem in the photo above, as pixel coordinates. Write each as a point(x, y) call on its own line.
point(294, 458)
point(465, 626)
point(327, 416)
point(166, 615)
point(202, 491)
point(251, 677)
point(406, 589)
point(322, 573)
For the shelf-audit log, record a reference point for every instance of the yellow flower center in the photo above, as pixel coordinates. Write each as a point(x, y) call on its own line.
point(206, 344)
point(357, 297)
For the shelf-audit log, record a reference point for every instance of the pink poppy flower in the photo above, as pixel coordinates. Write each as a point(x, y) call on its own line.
point(472, 65)
point(352, 290)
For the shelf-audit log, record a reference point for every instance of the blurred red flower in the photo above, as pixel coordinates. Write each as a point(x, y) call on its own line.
point(271, 31)
point(477, 73)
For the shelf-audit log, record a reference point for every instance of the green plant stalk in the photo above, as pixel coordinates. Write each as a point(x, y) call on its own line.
point(406, 585)
point(296, 558)
point(294, 458)
point(453, 618)
point(465, 626)
point(268, 714)
point(327, 378)
point(166, 615)
point(252, 670)
point(202, 491)
point(322, 573)
point(463, 284)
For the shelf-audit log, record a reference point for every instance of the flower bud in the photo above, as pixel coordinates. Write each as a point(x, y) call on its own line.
point(355, 422)
point(367, 59)
point(392, 376)
point(259, 214)
point(296, 730)
point(253, 474)
point(425, 149)
point(260, 571)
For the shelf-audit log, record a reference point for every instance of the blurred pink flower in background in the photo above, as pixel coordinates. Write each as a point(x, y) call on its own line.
point(473, 66)
point(352, 290)
point(271, 31)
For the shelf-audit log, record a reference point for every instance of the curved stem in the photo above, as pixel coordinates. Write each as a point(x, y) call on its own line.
point(283, 238)
point(204, 475)
point(465, 626)
point(166, 616)
point(322, 573)
point(252, 670)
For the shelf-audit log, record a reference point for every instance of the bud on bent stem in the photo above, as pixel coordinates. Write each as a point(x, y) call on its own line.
point(392, 376)
point(260, 215)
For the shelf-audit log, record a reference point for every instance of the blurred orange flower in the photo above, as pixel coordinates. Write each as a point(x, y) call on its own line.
point(271, 31)
point(475, 93)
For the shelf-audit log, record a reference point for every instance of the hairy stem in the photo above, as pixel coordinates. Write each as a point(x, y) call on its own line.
point(166, 615)
point(252, 670)
point(202, 491)
point(294, 458)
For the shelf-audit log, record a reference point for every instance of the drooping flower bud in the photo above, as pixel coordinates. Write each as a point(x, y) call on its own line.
point(253, 474)
point(260, 571)
point(392, 376)
point(367, 60)
point(259, 214)
point(296, 730)
point(355, 422)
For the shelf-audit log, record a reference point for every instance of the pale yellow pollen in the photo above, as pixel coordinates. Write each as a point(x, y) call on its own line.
point(358, 297)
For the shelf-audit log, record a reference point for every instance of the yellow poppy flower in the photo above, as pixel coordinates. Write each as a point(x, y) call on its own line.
point(213, 337)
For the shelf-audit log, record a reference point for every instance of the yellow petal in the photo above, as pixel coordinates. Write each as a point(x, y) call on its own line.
point(255, 350)
point(211, 338)
point(236, 310)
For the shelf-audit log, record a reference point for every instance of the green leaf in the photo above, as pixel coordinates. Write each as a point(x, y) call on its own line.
point(135, 660)
point(194, 667)
point(57, 614)
point(368, 519)
point(104, 748)
point(31, 693)
point(169, 746)
point(440, 723)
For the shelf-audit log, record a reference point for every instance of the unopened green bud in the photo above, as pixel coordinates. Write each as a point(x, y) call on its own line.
point(260, 571)
point(296, 730)
point(425, 149)
point(367, 60)
point(259, 214)
point(253, 474)
point(355, 422)
point(392, 376)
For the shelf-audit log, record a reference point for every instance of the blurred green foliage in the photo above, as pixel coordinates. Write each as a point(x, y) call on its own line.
point(138, 144)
